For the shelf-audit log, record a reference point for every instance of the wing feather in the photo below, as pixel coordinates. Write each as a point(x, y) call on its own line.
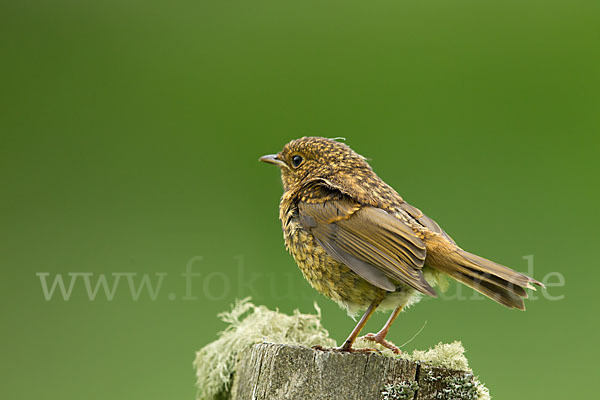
point(369, 240)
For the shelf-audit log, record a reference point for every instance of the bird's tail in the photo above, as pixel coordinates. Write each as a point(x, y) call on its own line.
point(493, 280)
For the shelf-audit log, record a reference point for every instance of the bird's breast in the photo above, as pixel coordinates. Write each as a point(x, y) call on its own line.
point(328, 276)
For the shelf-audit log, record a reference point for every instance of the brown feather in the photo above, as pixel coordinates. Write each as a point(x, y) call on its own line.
point(496, 293)
point(380, 240)
point(486, 266)
point(493, 280)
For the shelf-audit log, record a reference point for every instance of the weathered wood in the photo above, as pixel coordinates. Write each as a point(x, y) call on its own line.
point(276, 371)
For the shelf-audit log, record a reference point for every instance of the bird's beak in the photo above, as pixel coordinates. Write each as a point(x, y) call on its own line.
point(273, 159)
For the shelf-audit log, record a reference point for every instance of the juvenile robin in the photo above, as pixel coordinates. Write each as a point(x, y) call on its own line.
point(359, 243)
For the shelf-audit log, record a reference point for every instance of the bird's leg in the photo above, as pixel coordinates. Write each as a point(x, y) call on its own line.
point(379, 337)
point(347, 346)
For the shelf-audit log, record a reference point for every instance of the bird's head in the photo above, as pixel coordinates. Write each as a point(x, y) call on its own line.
point(310, 158)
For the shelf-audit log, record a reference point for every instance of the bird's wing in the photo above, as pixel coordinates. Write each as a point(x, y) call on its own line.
point(425, 221)
point(373, 243)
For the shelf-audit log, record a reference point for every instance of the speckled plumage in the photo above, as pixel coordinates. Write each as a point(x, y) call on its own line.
point(333, 278)
point(359, 243)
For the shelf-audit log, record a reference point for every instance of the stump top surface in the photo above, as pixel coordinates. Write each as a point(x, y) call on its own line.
point(275, 371)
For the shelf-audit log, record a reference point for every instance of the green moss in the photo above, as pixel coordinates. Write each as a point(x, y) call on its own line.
point(443, 355)
point(250, 324)
point(452, 356)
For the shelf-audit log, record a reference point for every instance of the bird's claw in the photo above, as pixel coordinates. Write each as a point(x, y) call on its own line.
point(378, 338)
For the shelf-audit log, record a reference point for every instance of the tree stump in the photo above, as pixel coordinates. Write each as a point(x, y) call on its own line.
point(276, 371)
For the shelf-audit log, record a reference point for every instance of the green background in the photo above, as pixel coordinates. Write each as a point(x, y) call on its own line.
point(130, 133)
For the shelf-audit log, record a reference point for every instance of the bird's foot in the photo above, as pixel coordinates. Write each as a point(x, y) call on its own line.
point(345, 349)
point(380, 338)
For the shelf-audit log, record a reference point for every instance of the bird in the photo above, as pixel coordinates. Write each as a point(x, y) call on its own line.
point(359, 243)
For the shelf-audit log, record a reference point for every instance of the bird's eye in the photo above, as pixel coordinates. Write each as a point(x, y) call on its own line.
point(296, 161)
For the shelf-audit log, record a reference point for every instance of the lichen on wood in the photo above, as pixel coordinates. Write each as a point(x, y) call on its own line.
point(277, 372)
point(248, 361)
